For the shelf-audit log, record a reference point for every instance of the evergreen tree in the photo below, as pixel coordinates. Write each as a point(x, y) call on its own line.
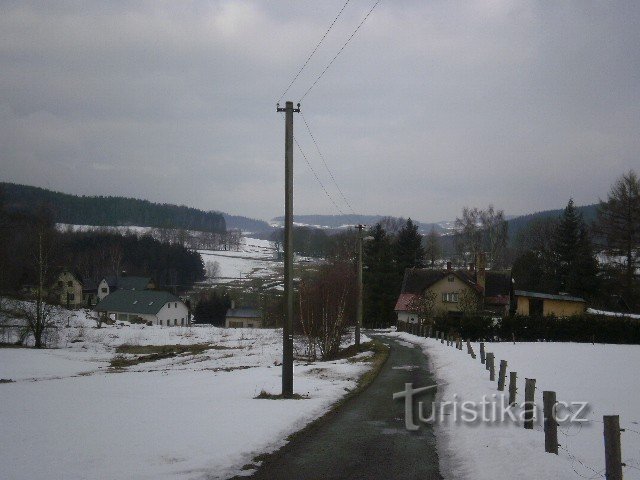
point(408, 248)
point(618, 226)
point(379, 278)
point(575, 264)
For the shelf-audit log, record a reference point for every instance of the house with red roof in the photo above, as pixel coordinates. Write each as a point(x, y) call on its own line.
point(492, 289)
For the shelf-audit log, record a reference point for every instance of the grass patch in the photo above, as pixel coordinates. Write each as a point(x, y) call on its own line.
point(152, 353)
point(264, 395)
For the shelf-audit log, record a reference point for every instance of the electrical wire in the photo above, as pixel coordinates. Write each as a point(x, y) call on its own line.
point(315, 142)
point(340, 51)
point(317, 178)
point(314, 51)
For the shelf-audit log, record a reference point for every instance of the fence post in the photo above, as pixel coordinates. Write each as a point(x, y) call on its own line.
point(612, 447)
point(529, 404)
point(487, 360)
point(502, 375)
point(482, 355)
point(469, 347)
point(430, 331)
point(550, 424)
point(513, 388)
point(492, 366)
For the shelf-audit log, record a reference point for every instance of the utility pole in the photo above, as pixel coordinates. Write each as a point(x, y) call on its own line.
point(359, 289)
point(287, 327)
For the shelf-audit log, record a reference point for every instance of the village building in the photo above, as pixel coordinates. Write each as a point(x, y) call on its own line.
point(243, 318)
point(122, 282)
point(67, 289)
point(153, 307)
point(543, 304)
point(454, 290)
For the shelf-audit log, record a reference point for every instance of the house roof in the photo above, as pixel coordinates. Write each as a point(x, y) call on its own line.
point(416, 280)
point(136, 301)
point(243, 313)
point(128, 283)
point(547, 296)
point(404, 300)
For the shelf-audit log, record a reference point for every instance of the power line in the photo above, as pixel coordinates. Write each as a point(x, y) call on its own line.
point(327, 166)
point(317, 178)
point(339, 51)
point(314, 51)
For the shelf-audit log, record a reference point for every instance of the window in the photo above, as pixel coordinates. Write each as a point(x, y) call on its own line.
point(451, 278)
point(168, 305)
point(71, 297)
point(451, 297)
point(104, 290)
point(175, 322)
point(69, 283)
point(175, 305)
point(182, 322)
point(60, 283)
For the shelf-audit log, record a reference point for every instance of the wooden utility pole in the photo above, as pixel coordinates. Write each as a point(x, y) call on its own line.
point(287, 327)
point(359, 289)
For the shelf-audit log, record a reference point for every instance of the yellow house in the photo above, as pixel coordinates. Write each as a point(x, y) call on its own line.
point(67, 289)
point(451, 288)
point(534, 303)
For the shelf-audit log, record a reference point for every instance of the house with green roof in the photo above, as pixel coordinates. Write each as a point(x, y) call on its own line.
point(123, 282)
point(155, 307)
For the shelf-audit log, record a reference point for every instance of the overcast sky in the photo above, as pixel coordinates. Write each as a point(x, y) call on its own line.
point(434, 105)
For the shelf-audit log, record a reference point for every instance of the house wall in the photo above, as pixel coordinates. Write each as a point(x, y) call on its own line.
point(559, 308)
point(407, 317)
point(176, 313)
point(522, 306)
point(445, 286)
point(242, 322)
point(103, 289)
point(67, 287)
point(562, 308)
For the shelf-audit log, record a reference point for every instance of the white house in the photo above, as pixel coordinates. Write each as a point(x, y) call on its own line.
point(152, 306)
point(110, 284)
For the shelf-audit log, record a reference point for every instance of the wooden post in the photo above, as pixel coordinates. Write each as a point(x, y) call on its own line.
point(487, 360)
point(492, 366)
point(502, 375)
point(612, 447)
point(482, 355)
point(513, 388)
point(529, 391)
point(550, 424)
point(469, 350)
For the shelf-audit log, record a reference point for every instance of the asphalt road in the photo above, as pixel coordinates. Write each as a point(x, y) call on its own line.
point(366, 438)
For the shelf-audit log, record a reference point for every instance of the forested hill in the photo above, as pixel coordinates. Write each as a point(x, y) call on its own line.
point(589, 214)
point(110, 211)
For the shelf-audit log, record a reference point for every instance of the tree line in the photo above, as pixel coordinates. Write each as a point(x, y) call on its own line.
point(92, 255)
point(104, 211)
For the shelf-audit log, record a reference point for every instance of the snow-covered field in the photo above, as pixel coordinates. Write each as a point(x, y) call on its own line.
point(605, 376)
point(68, 414)
point(254, 259)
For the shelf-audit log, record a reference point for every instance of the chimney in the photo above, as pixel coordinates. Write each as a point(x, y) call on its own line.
point(480, 276)
point(448, 266)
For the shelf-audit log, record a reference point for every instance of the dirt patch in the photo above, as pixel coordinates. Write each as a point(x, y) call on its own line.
point(152, 353)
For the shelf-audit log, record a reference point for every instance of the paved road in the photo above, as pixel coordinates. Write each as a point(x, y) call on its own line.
point(366, 439)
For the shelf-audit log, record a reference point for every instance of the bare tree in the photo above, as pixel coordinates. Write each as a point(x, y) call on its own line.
point(479, 231)
point(423, 306)
point(469, 302)
point(39, 315)
point(212, 269)
point(432, 249)
point(325, 301)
